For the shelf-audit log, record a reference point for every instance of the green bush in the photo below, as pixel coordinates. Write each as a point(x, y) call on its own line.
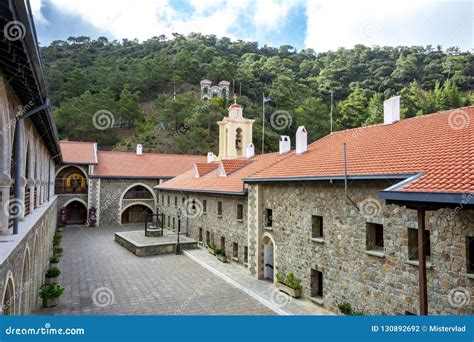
point(53, 273)
point(58, 251)
point(346, 309)
point(220, 251)
point(54, 259)
point(212, 246)
point(50, 291)
point(289, 280)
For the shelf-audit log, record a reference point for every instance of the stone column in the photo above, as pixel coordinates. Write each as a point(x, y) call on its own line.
point(22, 197)
point(4, 198)
point(30, 184)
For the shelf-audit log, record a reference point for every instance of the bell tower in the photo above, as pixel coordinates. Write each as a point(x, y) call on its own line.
point(235, 133)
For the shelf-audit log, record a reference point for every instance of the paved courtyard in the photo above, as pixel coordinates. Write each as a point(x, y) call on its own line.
point(102, 278)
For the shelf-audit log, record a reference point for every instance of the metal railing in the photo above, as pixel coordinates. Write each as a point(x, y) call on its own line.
point(139, 194)
point(154, 222)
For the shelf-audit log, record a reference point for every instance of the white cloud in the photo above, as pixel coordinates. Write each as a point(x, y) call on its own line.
point(147, 18)
point(36, 9)
point(334, 23)
point(270, 15)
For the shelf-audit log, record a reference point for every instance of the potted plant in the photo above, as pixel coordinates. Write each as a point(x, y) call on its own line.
point(58, 251)
point(211, 248)
point(57, 239)
point(54, 261)
point(50, 294)
point(288, 285)
point(220, 252)
point(52, 275)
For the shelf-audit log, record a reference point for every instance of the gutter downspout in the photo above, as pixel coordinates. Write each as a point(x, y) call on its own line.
point(423, 293)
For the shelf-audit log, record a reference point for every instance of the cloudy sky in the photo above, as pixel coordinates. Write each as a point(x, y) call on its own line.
point(319, 24)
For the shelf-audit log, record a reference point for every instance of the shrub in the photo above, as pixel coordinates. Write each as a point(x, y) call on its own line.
point(58, 251)
point(50, 291)
point(289, 280)
point(220, 251)
point(54, 259)
point(53, 273)
point(212, 246)
point(346, 309)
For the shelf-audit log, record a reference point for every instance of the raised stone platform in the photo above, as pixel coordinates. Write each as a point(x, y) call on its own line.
point(140, 245)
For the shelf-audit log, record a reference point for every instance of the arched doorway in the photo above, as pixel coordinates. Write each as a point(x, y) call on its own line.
point(76, 212)
point(268, 258)
point(71, 180)
point(135, 213)
point(8, 307)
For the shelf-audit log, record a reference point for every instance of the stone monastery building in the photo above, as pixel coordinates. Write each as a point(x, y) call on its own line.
point(379, 217)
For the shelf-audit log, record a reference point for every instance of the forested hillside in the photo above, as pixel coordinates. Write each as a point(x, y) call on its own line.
point(136, 81)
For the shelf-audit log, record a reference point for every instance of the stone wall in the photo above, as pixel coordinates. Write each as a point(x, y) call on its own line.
point(227, 226)
point(376, 283)
point(106, 195)
point(24, 259)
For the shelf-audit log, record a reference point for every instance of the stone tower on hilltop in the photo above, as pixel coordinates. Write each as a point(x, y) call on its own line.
point(218, 91)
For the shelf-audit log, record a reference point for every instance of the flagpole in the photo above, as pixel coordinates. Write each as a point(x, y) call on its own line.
point(263, 123)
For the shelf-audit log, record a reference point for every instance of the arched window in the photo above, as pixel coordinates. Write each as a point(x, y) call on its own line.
point(238, 139)
point(224, 93)
point(138, 192)
point(205, 90)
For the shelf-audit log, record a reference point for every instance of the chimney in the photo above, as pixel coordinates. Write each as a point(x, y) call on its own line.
point(139, 149)
point(250, 152)
point(301, 140)
point(210, 157)
point(285, 144)
point(391, 110)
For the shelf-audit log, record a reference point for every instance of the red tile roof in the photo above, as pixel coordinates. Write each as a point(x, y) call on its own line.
point(232, 165)
point(440, 146)
point(232, 183)
point(147, 165)
point(76, 152)
point(205, 168)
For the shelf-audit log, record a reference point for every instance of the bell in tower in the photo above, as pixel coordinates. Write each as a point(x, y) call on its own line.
point(235, 133)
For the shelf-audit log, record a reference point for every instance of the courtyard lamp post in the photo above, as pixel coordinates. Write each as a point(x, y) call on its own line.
point(178, 246)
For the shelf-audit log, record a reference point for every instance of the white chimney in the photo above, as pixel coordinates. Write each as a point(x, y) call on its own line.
point(139, 149)
point(301, 140)
point(285, 144)
point(250, 152)
point(391, 110)
point(210, 157)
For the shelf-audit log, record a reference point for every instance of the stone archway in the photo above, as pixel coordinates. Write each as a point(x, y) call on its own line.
point(268, 260)
point(8, 301)
point(135, 213)
point(24, 290)
point(76, 211)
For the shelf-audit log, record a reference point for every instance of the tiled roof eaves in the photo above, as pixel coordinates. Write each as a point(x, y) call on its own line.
point(239, 193)
point(428, 197)
point(78, 163)
point(132, 177)
point(332, 177)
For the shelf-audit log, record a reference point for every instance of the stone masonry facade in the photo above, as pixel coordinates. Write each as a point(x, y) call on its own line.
point(376, 283)
point(22, 270)
point(207, 222)
point(105, 194)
